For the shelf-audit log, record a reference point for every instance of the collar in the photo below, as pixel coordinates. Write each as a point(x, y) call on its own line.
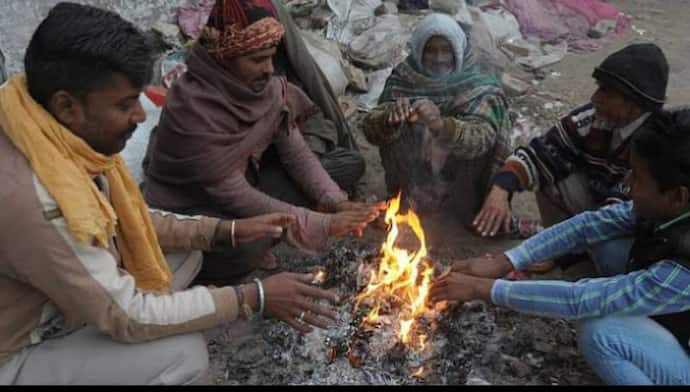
point(672, 222)
point(629, 129)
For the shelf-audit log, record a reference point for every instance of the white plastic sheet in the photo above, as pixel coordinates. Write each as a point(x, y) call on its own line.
point(135, 151)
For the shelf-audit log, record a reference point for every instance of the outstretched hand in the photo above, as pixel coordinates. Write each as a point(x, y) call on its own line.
point(495, 214)
point(292, 298)
point(264, 226)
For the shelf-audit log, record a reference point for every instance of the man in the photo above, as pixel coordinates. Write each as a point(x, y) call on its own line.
point(326, 132)
point(580, 163)
point(229, 145)
point(633, 323)
point(87, 295)
point(442, 125)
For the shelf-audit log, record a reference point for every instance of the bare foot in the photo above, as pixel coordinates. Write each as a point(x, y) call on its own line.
point(269, 262)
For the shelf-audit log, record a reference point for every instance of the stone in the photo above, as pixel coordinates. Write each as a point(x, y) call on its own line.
point(514, 86)
point(519, 368)
point(602, 28)
point(518, 48)
point(450, 7)
point(543, 347)
point(320, 18)
point(387, 8)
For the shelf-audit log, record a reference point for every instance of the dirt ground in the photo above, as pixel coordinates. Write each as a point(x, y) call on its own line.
point(519, 349)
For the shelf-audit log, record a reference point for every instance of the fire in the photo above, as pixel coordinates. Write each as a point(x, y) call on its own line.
point(319, 278)
point(404, 277)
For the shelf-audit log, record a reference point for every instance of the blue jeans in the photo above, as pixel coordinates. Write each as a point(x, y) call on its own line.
point(629, 350)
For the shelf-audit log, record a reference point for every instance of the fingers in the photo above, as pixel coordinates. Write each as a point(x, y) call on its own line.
point(479, 220)
point(302, 278)
point(439, 292)
point(460, 266)
point(317, 293)
point(381, 206)
point(493, 224)
point(318, 310)
point(317, 321)
point(282, 220)
point(294, 323)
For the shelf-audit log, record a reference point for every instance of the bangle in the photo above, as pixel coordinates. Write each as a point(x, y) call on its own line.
point(244, 309)
point(262, 298)
point(232, 234)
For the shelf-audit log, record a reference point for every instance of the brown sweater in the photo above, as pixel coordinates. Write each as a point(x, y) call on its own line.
point(50, 284)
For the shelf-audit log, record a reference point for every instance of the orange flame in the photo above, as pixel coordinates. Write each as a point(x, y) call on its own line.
point(398, 277)
point(320, 278)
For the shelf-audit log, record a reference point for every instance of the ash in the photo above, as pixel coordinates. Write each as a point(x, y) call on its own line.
point(475, 344)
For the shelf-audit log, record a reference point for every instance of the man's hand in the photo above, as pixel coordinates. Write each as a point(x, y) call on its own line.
point(427, 113)
point(252, 229)
point(352, 221)
point(495, 213)
point(489, 266)
point(399, 113)
point(458, 287)
point(291, 298)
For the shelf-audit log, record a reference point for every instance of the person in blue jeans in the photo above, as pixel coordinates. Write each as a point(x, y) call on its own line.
point(634, 322)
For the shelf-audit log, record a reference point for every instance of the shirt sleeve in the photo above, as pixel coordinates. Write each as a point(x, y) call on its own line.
point(239, 198)
point(554, 156)
point(305, 169)
point(178, 233)
point(661, 289)
point(575, 235)
point(88, 285)
point(475, 134)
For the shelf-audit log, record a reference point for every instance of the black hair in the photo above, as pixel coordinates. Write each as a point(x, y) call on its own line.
point(78, 48)
point(664, 143)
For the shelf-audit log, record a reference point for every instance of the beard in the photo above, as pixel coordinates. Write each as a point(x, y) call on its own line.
point(439, 70)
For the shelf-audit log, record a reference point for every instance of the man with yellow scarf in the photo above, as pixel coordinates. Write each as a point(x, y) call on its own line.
point(82, 265)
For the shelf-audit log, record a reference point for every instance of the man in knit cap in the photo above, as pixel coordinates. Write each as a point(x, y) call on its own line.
point(229, 144)
point(581, 162)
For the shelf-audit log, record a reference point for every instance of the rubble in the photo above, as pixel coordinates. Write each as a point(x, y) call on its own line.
point(602, 28)
point(301, 8)
point(381, 45)
point(377, 81)
point(387, 8)
point(514, 86)
point(358, 81)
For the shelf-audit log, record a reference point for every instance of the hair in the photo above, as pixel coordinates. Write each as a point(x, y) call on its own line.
point(664, 142)
point(78, 48)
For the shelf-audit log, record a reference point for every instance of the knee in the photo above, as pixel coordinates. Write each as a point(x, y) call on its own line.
point(595, 337)
point(611, 257)
point(192, 362)
point(346, 167)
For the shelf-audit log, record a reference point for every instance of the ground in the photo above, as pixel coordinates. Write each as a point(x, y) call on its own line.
point(494, 345)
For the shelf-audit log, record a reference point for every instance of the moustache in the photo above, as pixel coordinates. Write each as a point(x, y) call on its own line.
point(263, 79)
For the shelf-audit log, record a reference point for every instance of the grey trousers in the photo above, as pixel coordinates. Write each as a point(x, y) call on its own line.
point(87, 357)
point(565, 199)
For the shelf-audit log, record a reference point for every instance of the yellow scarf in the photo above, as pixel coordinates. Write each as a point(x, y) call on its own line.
point(66, 166)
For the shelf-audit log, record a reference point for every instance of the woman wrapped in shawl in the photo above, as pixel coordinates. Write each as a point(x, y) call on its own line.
point(442, 125)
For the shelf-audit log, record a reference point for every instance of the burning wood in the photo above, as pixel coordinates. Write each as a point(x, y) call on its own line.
point(396, 290)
